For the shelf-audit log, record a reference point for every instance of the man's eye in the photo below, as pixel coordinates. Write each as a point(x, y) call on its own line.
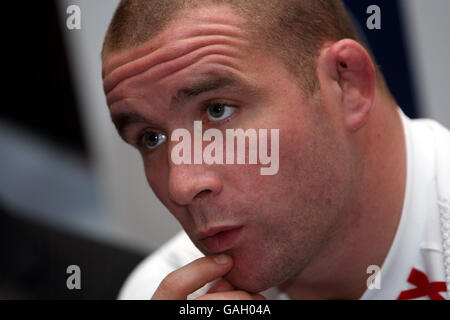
point(219, 111)
point(152, 140)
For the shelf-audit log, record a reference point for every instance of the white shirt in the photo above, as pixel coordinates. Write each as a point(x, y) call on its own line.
point(418, 241)
point(422, 240)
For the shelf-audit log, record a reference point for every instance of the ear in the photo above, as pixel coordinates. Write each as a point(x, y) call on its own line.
point(348, 74)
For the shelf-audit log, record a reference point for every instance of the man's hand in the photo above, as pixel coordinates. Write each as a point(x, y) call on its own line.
point(184, 281)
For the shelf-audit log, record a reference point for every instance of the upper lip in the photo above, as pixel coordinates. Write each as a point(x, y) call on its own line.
point(215, 230)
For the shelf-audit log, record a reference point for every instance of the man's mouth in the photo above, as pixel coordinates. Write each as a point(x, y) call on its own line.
point(219, 239)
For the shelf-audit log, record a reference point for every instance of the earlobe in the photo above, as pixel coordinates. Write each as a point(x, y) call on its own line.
point(351, 66)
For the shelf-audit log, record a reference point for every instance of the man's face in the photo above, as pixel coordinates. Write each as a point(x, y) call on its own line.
point(206, 59)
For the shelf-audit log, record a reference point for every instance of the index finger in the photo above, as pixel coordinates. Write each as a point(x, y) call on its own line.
point(182, 282)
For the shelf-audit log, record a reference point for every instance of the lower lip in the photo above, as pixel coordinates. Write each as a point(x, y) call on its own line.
point(222, 241)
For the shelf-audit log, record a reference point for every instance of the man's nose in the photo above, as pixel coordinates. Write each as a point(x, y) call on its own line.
point(188, 182)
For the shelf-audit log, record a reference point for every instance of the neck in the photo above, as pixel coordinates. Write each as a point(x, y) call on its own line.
point(366, 233)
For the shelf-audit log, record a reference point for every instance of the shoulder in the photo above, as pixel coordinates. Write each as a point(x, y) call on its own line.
point(146, 277)
point(439, 137)
point(431, 139)
point(434, 128)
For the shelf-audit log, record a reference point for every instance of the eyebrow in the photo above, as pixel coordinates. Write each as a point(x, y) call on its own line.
point(122, 119)
point(213, 81)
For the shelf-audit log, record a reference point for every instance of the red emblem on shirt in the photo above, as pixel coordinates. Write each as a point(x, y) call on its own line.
point(423, 287)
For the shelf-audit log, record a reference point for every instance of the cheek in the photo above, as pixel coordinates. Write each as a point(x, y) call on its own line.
point(304, 174)
point(294, 149)
point(158, 180)
point(264, 191)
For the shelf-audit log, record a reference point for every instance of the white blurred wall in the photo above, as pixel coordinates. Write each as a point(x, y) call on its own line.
point(427, 24)
point(135, 216)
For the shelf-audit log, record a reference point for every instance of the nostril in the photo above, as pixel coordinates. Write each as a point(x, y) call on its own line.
point(203, 193)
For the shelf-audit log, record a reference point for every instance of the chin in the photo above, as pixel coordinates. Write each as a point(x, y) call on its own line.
point(249, 276)
point(245, 283)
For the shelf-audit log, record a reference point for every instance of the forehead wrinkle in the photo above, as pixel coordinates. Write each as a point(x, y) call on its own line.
point(178, 53)
point(132, 62)
point(198, 30)
point(167, 68)
point(124, 56)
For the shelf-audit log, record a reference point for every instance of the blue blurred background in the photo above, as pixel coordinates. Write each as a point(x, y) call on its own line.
point(71, 192)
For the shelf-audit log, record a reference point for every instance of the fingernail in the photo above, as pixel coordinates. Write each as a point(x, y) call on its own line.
point(221, 259)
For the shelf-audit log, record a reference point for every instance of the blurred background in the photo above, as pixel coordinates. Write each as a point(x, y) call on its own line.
point(72, 193)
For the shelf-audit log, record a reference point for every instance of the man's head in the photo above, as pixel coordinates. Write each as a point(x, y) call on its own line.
point(292, 29)
point(265, 64)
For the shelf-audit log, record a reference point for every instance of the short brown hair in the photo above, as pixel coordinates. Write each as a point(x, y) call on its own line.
point(295, 29)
